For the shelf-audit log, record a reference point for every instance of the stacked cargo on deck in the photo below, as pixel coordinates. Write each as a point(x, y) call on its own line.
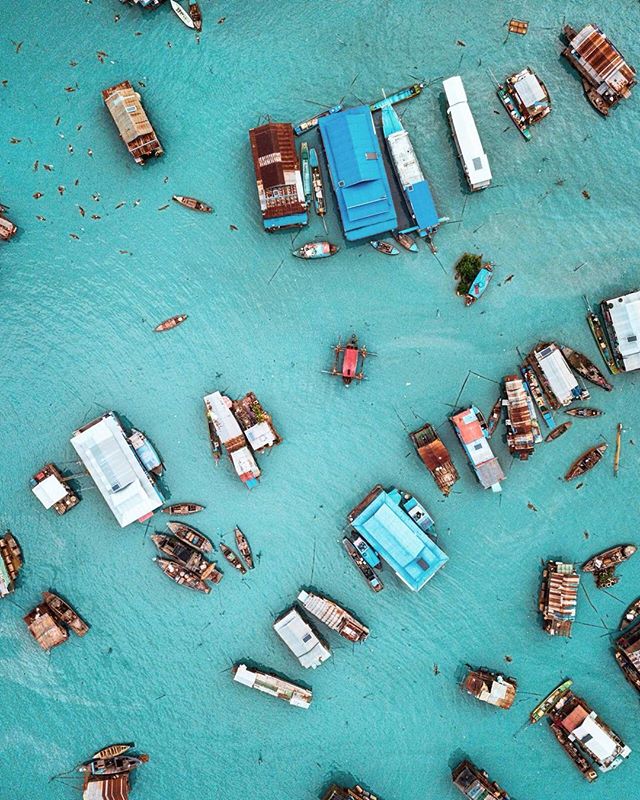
point(137, 133)
point(558, 597)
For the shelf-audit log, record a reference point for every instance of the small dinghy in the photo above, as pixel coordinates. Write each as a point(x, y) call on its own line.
point(232, 558)
point(494, 417)
point(196, 15)
point(170, 323)
point(182, 509)
point(557, 432)
point(584, 412)
point(113, 750)
point(146, 452)
point(65, 614)
point(244, 547)
point(191, 202)
point(406, 241)
point(385, 248)
point(181, 576)
point(190, 536)
point(182, 15)
point(585, 462)
point(316, 250)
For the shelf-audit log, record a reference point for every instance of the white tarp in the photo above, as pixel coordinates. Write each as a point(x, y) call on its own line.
point(50, 491)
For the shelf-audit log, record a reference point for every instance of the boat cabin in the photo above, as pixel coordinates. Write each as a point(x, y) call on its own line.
point(45, 628)
point(301, 639)
point(7, 229)
point(52, 490)
point(555, 375)
point(125, 106)
point(558, 597)
point(273, 685)
point(474, 783)
point(475, 163)
point(529, 96)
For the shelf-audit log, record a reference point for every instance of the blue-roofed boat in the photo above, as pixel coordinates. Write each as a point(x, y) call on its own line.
point(409, 173)
point(479, 284)
point(397, 97)
point(395, 525)
point(311, 123)
point(358, 174)
point(146, 452)
point(306, 172)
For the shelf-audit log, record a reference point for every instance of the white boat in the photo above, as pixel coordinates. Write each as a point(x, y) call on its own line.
point(465, 134)
point(273, 685)
point(182, 14)
point(301, 639)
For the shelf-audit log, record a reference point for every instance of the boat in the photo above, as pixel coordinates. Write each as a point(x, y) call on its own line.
point(490, 687)
point(63, 612)
point(244, 547)
point(610, 558)
point(170, 323)
point(556, 433)
point(519, 26)
point(585, 368)
point(584, 412)
point(435, 457)
point(407, 93)
point(232, 558)
point(52, 489)
point(191, 202)
point(190, 536)
point(273, 685)
point(630, 615)
point(535, 392)
point(214, 439)
point(520, 419)
point(185, 555)
point(365, 570)
point(182, 576)
point(597, 330)
point(45, 627)
point(543, 708)
point(493, 420)
point(182, 15)
point(10, 563)
point(585, 462)
point(7, 228)
point(182, 509)
point(571, 749)
point(348, 361)
point(115, 765)
point(558, 597)
point(475, 784)
point(616, 457)
point(316, 250)
point(306, 172)
point(471, 430)
point(113, 750)
point(385, 248)
point(316, 180)
point(196, 15)
point(366, 551)
point(479, 285)
point(135, 129)
point(526, 100)
point(146, 452)
point(473, 159)
point(333, 616)
point(312, 122)
point(406, 241)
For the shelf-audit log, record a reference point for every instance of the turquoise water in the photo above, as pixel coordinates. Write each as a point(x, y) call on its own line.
point(76, 339)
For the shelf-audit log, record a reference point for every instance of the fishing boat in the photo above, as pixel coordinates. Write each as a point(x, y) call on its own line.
point(63, 612)
point(526, 100)
point(405, 241)
point(306, 172)
point(170, 323)
point(244, 547)
point(182, 15)
point(191, 202)
point(114, 765)
point(597, 330)
point(494, 417)
point(113, 750)
point(585, 462)
point(10, 563)
point(584, 412)
point(616, 456)
point(214, 439)
point(407, 93)
point(543, 708)
point(192, 560)
point(610, 558)
point(630, 615)
point(490, 687)
point(557, 432)
point(366, 551)
point(146, 452)
point(348, 361)
point(316, 250)
point(333, 616)
point(365, 570)
point(479, 285)
point(316, 181)
point(182, 509)
point(435, 457)
point(385, 248)
point(190, 536)
point(182, 576)
point(535, 391)
point(585, 368)
point(312, 122)
point(232, 558)
point(196, 15)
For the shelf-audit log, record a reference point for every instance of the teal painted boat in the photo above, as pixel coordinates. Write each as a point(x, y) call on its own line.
point(311, 123)
point(385, 248)
point(316, 250)
point(306, 172)
point(479, 285)
point(403, 94)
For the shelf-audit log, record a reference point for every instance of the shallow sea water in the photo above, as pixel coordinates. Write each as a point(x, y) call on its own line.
point(76, 339)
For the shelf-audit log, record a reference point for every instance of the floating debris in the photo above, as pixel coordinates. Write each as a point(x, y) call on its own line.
point(37, 195)
point(518, 26)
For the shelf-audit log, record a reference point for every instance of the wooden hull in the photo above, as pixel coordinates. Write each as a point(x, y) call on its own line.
point(587, 461)
point(190, 536)
point(192, 203)
point(406, 241)
point(232, 558)
point(244, 547)
point(182, 576)
point(182, 509)
point(171, 323)
point(113, 750)
point(385, 248)
point(629, 616)
point(585, 368)
point(63, 612)
point(363, 568)
point(556, 433)
point(584, 412)
point(609, 558)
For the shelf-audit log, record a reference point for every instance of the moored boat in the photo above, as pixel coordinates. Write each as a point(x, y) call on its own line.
point(113, 750)
point(114, 765)
point(558, 597)
point(479, 285)
point(244, 547)
point(190, 536)
point(490, 687)
point(196, 15)
point(170, 323)
point(365, 570)
point(306, 172)
point(182, 576)
point(385, 248)
point(320, 204)
point(52, 489)
point(312, 122)
point(630, 615)
point(184, 555)
point(182, 15)
point(348, 361)
point(584, 412)
point(182, 509)
point(398, 97)
point(333, 616)
point(192, 202)
point(543, 708)
point(556, 433)
point(232, 558)
point(435, 457)
point(585, 462)
point(526, 100)
point(406, 241)
point(316, 250)
point(597, 330)
point(585, 368)
point(273, 685)
point(63, 612)
point(146, 452)
point(10, 563)
point(609, 558)
point(493, 420)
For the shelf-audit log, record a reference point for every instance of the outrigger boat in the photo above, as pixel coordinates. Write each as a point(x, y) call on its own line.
point(604, 564)
point(312, 122)
point(182, 509)
point(182, 576)
point(316, 250)
point(407, 93)
point(349, 361)
point(585, 462)
point(63, 612)
point(494, 417)
point(244, 547)
point(630, 614)
point(113, 750)
point(306, 172)
point(601, 340)
point(385, 248)
point(584, 412)
point(316, 180)
point(191, 202)
point(543, 708)
point(170, 323)
point(196, 15)
point(190, 536)
point(182, 15)
point(585, 368)
point(557, 432)
point(187, 557)
point(146, 452)
point(232, 558)
point(406, 241)
point(365, 570)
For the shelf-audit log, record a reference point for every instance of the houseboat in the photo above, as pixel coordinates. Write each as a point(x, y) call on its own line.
point(107, 774)
point(558, 597)
point(519, 421)
point(471, 429)
point(621, 317)
point(490, 687)
point(232, 438)
point(335, 792)
point(627, 650)
point(7, 228)
point(333, 616)
point(474, 783)
point(53, 490)
point(256, 423)
point(526, 100)
point(273, 685)
point(10, 563)
point(435, 457)
point(278, 176)
point(301, 639)
point(475, 163)
point(45, 627)
point(606, 76)
point(555, 376)
point(136, 131)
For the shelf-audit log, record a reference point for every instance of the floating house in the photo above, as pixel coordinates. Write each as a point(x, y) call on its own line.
point(108, 456)
point(490, 687)
point(471, 429)
point(301, 639)
point(526, 99)
point(45, 628)
point(622, 322)
point(520, 418)
point(435, 456)
point(256, 423)
point(335, 792)
point(394, 525)
point(273, 685)
point(606, 76)
point(558, 597)
point(333, 616)
point(475, 163)
point(10, 563)
point(7, 228)
point(52, 490)
point(555, 376)
point(474, 783)
point(136, 131)
point(278, 176)
point(358, 175)
point(627, 652)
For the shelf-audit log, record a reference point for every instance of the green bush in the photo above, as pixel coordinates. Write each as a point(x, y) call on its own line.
point(466, 270)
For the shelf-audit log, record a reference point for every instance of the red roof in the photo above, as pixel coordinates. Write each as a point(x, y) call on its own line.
point(574, 719)
point(350, 362)
point(469, 431)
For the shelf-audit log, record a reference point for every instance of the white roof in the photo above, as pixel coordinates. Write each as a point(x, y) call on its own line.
point(529, 89)
point(562, 381)
point(116, 470)
point(625, 317)
point(474, 159)
point(301, 639)
point(595, 739)
point(50, 491)
point(225, 423)
point(404, 156)
point(479, 451)
point(244, 462)
point(260, 435)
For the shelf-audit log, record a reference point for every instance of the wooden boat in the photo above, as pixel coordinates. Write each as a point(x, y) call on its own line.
point(306, 172)
point(629, 616)
point(191, 202)
point(312, 122)
point(348, 361)
point(406, 241)
point(196, 16)
point(616, 457)
point(527, 106)
point(585, 368)
point(556, 433)
point(494, 417)
point(585, 462)
point(609, 558)
point(146, 452)
point(10, 562)
point(190, 536)
point(333, 616)
point(115, 765)
point(183, 554)
point(518, 26)
point(584, 412)
point(182, 509)
point(435, 457)
point(365, 570)
point(182, 576)
point(316, 180)
point(232, 558)
point(385, 248)
point(113, 750)
point(601, 340)
point(170, 323)
point(63, 612)
point(479, 284)
point(214, 439)
point(182, 15)
point(244, 547)
point(316, 250)
point(543, 708)
point(490, 687)
point(571, 749)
